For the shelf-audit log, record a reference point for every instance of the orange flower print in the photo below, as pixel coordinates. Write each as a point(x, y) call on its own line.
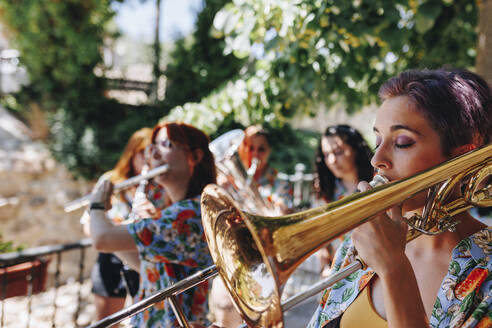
point(325, 297)
point(170, 271)
point(159, 305)
point(157, 195)
point(346, 261)
point(180, 225)
point(364, 280)
point(152, 274)
point(471, 283)
point(145, 235)
point(160, 258)
point(190, 262)
point(485, 322)
point(146, 315)
point(185, 215)
point(199, 299)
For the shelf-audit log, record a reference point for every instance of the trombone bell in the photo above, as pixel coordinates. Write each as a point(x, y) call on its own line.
point(255, 255)
point(239, 261)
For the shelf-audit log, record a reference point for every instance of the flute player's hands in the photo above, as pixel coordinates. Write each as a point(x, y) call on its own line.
point(102, 193)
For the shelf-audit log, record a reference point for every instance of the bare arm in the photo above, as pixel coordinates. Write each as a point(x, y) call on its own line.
point(402, 299)
point(381, 243)
point(130, 258)
point(107, 237)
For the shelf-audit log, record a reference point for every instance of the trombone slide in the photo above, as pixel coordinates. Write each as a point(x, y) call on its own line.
point(255, 255)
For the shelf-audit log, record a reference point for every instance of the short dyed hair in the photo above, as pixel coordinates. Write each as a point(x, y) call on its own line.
point(192, 139)
point(457, 103)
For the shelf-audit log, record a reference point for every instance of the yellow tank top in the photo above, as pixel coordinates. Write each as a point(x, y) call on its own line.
point(361, 313)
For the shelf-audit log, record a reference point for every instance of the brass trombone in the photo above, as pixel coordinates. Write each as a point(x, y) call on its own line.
point(255, 255)
point(246, 192)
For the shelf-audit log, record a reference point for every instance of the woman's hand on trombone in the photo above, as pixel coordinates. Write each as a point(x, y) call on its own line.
point(381, 242)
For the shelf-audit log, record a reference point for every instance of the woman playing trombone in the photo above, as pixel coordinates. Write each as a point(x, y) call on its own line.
point(426, 117)
point(170, 246)
point(255, 150)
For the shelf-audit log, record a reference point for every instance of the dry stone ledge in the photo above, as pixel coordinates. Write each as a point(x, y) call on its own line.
point(33, 190)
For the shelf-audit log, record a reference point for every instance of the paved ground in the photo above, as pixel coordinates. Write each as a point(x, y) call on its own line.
point(15, 310)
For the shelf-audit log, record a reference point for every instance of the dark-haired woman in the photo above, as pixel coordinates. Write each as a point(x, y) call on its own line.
point(343, 159)
point(170, 246)
point(426, 117)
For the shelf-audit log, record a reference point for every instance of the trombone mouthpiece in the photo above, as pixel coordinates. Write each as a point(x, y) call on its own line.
point(378, 180)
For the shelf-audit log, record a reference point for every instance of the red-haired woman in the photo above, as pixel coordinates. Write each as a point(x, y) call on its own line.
point(110, 277)
point(255, 148)
point(171, 246)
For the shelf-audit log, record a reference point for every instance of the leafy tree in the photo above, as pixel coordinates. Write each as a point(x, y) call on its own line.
point(332, 52)
point(60, 44)
point(197, 65)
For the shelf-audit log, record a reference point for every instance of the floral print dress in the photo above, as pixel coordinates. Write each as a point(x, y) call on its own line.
point(171, 247)
point(464, 298)
point(274, 190)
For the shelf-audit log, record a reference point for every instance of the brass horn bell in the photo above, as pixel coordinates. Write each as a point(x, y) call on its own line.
point(255, 255)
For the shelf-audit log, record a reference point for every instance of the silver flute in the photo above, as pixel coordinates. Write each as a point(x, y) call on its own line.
point(84, 201)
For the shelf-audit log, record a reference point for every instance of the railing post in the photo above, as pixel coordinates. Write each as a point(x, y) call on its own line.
point(10, 259)
point(298, 182)
point(55, 291)
point(81, 280)
point(30, 289)
point(4, 295)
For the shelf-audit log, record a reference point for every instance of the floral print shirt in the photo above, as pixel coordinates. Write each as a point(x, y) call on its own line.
point(121, 204)
point(171, 247)
point(338, 193)
point(464, 298)
point(275, 190)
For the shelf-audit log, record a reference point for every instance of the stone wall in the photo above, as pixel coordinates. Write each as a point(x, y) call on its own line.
point(33, 190)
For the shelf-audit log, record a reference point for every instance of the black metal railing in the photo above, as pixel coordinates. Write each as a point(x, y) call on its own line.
point(302, 186)
point(38, 259)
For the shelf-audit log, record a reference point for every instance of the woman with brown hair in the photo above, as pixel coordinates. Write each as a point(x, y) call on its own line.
point(171, 245)
point(426, 117)
point(254, 152)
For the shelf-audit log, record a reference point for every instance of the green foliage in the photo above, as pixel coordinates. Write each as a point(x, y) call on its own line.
point(328, 51)
point(198, 66)
point(90, 142)
point(8, 246)
point(291, 146)
point(60, 44)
